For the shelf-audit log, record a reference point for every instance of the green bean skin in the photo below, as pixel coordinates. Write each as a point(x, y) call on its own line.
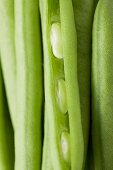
point(28, 139)
point(96, 2)
point(46, 164)
point(54, 68)
point(6, 132)
point(102, 86)
point(8, 58)
point(76, 134)
point(84, 12)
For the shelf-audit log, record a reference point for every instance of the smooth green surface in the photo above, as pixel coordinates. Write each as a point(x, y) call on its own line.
point(28, 135)
point(55, 69)
point(6, 132)
point(46, 157)
point(8, 58)
point(102, 86)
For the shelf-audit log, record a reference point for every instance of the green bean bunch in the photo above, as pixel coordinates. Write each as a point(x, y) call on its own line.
point(56, 84)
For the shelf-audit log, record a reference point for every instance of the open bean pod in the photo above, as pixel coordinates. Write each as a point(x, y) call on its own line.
point(62, 112)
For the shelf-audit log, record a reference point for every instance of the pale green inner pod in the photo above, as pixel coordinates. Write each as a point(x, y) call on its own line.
point(61, 96)
point(56, 40)
point(65, 145)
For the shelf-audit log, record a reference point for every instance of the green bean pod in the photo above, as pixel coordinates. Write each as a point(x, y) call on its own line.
point(8, 58)
point(6, 132)
point(28, 137)
point(61, 85)
point(102, 86)
point(84, 13)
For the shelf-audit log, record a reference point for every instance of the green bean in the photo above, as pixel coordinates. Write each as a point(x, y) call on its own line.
point(84, 12)
point(102, 86)
point(61, 85)
point(28, 139)
point(6, 132)
point(8, 58)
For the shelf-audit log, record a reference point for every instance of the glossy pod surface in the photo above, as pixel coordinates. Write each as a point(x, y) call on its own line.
point(102, 86)
point(62, 112)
